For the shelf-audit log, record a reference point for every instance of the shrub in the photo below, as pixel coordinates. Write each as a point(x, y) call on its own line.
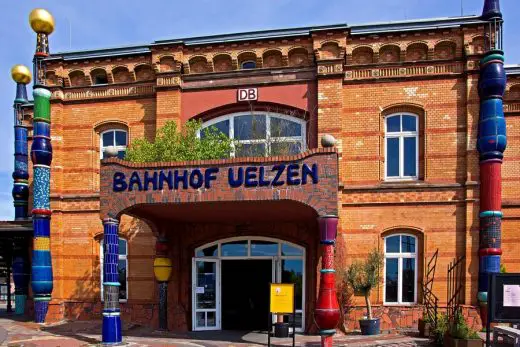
point(441, 329)
point(173, 145)
point(460, 329)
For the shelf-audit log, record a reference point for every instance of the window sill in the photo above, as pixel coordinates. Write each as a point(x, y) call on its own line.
point(393, 304)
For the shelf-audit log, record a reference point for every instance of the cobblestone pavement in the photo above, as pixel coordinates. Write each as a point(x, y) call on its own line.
point(15, 332)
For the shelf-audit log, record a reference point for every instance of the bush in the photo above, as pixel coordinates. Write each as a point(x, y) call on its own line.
point(173, 145)
point(460, 329)
point(441, 329)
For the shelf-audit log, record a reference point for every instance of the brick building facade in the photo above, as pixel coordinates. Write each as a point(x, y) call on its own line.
point(418, 182)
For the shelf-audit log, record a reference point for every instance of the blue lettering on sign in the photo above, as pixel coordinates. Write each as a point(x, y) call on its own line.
point(292, 174)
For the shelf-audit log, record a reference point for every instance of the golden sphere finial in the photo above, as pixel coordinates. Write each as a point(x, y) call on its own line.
point(41, 21)
point(21, 74)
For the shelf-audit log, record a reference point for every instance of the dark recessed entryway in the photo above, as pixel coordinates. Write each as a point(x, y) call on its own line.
point(245, 294)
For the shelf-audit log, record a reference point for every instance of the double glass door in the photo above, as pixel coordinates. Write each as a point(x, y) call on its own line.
point(287, 266)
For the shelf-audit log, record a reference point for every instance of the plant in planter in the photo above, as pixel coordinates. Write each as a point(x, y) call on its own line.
point(440, 330)
point(460, 334)
point(363, 277)
point(425, 325)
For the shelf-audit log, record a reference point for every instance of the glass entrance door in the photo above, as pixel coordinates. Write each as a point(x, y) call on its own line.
point(206, 294)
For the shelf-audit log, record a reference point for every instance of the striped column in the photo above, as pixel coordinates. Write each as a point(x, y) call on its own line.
point(20, 275)
point(326, 313)
point(111, 333)
point(20, 264)
point(491, 144)
point(20, 175)
point(41, 156)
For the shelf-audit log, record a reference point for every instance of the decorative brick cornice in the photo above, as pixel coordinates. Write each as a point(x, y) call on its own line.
point(103, 92)
point(403, 70)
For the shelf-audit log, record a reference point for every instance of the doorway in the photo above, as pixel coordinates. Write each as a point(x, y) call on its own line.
point(230, 282)
point(245, 293)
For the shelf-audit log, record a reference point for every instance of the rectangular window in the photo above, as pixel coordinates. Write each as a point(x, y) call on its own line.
point(408, 280)
point(391, 279)
point(392, 157)
point(410, 156)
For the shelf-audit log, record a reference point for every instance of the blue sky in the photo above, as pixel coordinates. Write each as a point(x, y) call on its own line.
point(90, 24)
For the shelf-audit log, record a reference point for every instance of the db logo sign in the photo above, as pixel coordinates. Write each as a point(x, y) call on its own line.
point(248, 94)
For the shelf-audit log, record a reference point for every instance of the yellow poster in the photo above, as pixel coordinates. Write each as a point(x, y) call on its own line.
point(282, 298)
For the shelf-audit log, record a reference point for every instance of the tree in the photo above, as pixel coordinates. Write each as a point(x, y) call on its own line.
point(185, 145)
point(364, 276)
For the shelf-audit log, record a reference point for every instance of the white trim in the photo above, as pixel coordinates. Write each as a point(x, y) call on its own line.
point(268, 140)
point(120, 256)
point(217, 309)
point(400, 256)
point(401, 135)
point(276, 261)
point(118, 148)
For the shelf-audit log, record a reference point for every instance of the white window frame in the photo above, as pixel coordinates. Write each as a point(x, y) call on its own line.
point(400, 256)
point(277, 264)
point(401, 135)
point(268, 140)
point(118, 148)
point(120, 256)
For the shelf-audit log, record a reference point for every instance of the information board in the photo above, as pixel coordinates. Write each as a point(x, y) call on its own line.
point(504, 298)
point(282, 298)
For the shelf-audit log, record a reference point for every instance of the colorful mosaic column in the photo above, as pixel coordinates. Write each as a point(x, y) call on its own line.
point(491, 143)
point(162, 267)
point(41, 155)
point(22, 76)
point(326, 313)
point(111, 312)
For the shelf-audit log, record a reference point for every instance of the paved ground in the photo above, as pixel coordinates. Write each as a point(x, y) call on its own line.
point(15, 332)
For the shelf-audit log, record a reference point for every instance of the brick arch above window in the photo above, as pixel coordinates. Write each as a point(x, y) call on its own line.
point(298, 56)
point(513, 93)
point(77, 78)
point(389, 53)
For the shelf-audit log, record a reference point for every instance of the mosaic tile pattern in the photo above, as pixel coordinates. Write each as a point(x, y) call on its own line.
point(41, 188)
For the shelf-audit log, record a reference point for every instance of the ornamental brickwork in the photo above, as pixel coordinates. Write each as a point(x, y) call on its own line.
point(342, 81)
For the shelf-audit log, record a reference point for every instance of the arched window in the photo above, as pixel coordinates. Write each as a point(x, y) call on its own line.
point(401, 146)
point(248, 64)
point(114, 137)
point(400, 275)
point(122, 268)
point(259, 134)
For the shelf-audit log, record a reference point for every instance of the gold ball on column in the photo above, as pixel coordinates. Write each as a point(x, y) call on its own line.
point(21, 74)
point(41, 21)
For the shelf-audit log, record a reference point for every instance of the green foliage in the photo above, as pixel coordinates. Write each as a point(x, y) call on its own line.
point(441, 329)
point(460, 329)
point(173, 145)
point(364, 276)
point(503, 269)
point(425, 317)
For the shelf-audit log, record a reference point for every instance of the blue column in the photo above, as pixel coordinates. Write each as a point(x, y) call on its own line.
point(111, 312)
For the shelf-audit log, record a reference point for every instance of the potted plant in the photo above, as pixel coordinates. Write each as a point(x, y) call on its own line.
point(425, 325)
point(460, 334)
point(363, 277)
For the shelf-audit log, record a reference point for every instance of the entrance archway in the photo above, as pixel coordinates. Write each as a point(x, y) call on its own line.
point(230, 280)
